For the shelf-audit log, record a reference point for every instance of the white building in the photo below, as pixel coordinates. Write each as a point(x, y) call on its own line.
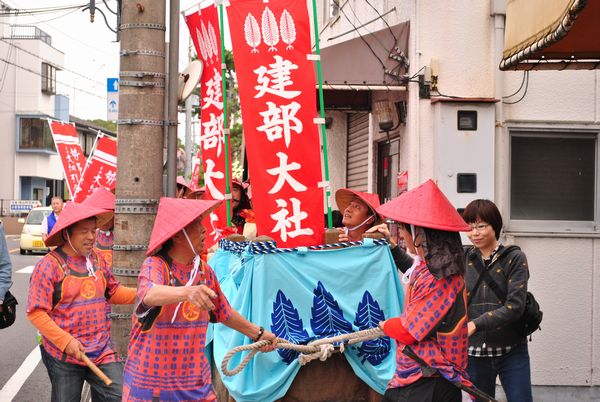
point(536, 153)
point(28, 161)
point(31, 169)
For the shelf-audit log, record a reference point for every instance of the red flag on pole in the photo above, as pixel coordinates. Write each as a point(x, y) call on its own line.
point(67, 145)
point(101, 169)
point(272, 49)
point(204, 30)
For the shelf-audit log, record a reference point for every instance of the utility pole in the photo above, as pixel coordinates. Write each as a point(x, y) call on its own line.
point(140, 144)
point(172, 93)
point(188, 123)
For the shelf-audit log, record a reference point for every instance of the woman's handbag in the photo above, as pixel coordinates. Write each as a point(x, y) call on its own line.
point(9, 311)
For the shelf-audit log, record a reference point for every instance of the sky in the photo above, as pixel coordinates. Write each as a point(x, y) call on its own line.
point(91, 53)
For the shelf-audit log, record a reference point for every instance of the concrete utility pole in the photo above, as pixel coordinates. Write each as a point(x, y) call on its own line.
point(140, 144)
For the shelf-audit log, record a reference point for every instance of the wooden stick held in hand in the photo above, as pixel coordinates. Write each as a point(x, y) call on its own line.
point(107, 381)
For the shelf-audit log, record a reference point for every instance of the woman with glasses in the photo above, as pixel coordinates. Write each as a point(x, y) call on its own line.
point(496, 278)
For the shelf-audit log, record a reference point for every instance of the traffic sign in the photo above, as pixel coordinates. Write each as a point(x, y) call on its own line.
point(112, 99)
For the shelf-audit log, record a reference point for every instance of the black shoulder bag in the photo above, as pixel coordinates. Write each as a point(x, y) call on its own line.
point(532, 315)
point(9, 310)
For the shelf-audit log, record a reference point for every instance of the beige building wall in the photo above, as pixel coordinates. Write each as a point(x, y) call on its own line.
point(564, 266)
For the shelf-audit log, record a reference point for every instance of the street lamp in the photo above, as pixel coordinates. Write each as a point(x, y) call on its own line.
point(383, 113)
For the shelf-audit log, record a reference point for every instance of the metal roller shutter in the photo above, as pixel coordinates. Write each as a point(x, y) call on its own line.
point(358, 151)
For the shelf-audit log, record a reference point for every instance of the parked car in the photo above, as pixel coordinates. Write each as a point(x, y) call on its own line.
point(31, 235)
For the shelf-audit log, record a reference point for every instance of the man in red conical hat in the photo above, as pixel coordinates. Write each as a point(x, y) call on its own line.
point(104, 199)
point(434, 321)
point(69, 292)
point(178, 295)
point(359, 216)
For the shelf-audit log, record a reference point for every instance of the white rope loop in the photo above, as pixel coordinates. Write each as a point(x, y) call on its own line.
point(320, 349)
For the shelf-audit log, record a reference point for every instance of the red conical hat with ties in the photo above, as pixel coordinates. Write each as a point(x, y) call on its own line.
point(425, 206)
point(101, 198)
point(173, 215)
point(70, 215)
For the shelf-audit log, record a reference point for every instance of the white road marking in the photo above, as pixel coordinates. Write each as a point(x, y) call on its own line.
point(14, 384)
point(27, 270)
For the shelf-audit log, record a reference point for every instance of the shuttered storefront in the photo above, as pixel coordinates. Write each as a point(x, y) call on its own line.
point(358, 151)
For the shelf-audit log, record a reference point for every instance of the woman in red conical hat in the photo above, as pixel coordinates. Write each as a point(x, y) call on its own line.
point(178, 296)
point(434, 321)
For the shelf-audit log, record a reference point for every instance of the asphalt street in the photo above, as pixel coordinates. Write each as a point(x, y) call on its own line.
point(23, 377)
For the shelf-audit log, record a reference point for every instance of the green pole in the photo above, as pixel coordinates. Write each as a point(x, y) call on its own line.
point(225, 122)
point(322, 113)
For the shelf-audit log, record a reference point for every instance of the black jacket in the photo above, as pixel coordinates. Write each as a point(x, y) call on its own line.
point(494, 318)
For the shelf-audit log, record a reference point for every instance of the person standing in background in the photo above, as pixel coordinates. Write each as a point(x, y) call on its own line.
point(49, 221)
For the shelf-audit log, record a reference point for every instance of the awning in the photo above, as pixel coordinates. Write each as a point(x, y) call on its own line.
point(379, 58)
point(551, 35)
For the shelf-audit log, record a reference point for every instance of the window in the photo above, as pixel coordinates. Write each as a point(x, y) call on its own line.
point(553, 180)
point(34, 134)
point(48, 78)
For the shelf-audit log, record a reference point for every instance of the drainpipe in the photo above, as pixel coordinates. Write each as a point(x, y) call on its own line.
point(498, 11)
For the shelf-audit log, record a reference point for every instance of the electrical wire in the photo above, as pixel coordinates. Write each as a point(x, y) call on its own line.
point(363, 26)
point(386, 23)
point(362, 38)
point(58, 82)
point(62, 68)
point(525, 73)
point(522, 96)
point(40, 11)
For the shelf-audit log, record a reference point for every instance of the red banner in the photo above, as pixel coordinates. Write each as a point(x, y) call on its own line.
point(67, 145)
point(204, 30)
point(101, 169)
point(271, 44)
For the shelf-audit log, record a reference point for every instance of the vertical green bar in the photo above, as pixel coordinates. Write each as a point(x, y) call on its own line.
point(225, 121)
point(322, 113)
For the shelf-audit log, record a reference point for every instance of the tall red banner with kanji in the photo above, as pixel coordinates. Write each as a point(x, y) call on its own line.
point(101, 169)
point(68, 148)
point(204, 30)
point(271, 47)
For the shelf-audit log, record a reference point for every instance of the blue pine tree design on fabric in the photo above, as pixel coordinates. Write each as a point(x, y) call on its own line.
point(369, 315)
point(287, 324)
point(327, 317)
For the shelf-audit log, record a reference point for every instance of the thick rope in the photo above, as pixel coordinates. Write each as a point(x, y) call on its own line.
point(320, 349)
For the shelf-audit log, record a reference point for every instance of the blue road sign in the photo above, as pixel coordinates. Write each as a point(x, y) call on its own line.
point(112, 85)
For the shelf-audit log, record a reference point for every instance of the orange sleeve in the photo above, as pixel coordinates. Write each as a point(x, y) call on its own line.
point(123, 295)
point(49, 329)
point(394, 328)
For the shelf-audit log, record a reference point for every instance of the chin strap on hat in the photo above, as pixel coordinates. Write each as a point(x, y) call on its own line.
point(348, 230)
point(194, 272)
point(89, 265)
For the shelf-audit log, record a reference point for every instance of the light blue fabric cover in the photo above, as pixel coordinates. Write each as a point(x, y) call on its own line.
point(302, 296)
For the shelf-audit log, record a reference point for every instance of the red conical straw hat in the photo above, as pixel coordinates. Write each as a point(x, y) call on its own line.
point(173, 215)
point(344, 196)
point(101, 198)
point(425, 206)
point(71, 214)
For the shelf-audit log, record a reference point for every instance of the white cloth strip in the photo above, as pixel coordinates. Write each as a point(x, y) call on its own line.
point(313, 57)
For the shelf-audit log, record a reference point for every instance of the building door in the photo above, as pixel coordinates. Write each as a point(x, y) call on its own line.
point(388, 163)
point(357, 161)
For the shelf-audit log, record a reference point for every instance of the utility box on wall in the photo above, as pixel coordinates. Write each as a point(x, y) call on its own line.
point(464, 149)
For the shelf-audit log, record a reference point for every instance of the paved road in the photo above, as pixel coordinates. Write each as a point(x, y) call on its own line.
point(19, 341)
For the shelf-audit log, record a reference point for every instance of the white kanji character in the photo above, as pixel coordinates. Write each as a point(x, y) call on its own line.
point(110, 177)
point(208, 180)
point(283, 176)
point(98, 176)
point(213, 92)
point(213, 133)
point(276, 79)
point(284, 222)
point(74, 153)
point(280, 120)
point(216, 232)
